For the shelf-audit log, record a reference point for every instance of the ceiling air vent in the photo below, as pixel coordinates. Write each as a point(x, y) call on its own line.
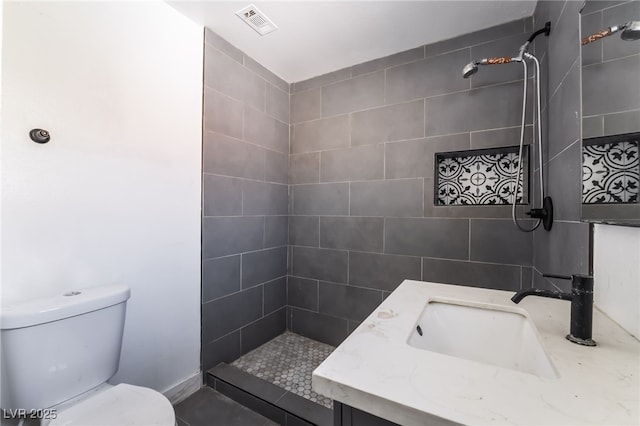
point(256, 20)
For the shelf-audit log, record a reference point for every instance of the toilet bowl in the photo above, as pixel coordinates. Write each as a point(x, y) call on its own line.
point(59, 352)
point(121, 404)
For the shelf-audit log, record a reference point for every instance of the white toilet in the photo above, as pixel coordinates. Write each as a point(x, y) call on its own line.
point(59, 352)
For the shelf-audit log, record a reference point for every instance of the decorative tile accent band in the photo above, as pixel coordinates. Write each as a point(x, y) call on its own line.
point(611, 169)
point(480, 177)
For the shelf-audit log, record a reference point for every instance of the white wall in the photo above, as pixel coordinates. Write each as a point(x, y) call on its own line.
point(617, 274)
point(115, 196)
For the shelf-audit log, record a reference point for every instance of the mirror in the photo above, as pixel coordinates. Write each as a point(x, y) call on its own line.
point(610, 54)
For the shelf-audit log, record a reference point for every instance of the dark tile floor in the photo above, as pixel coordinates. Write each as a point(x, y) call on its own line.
point(208, 407)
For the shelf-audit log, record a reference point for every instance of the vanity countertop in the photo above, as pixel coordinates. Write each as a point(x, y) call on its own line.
point(375, 370)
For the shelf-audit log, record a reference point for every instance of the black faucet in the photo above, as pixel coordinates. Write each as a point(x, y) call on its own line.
point(581, 297)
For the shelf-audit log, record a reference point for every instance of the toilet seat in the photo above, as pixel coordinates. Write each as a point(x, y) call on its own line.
point(121, 405)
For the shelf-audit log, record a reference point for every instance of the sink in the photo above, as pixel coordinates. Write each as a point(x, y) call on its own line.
point(494, 335)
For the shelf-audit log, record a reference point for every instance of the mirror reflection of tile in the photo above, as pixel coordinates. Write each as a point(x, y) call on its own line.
point(482, 177)
point(611, 170)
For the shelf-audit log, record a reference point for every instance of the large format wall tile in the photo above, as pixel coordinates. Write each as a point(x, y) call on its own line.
point(263, 330)
point(323, 328)
point(222, 196)
point(277, 103)
point(226, 156)
point(225, 349)
point(382, 271)
point(487, 275)
point(499, 241)
point(264, 198)
point(276, 167)
point(229, 313)
point(390, 123)
point(444, 238)
point(275, 295)
point(320, 264)
point(262, 266)
point(222, 114)
point(603, 97)
point(302, 293)
point(320, 134)
point(564, 107)
point(415, 158)
point(388, 61)
point(396, 198)
point(222, 236)
point(245, 203)
point(220, 277)
point(355, 94)
point(429, 77)
point(305, 106)
point(276, 231)
point(358, 163)
point(468, 111)
point(265, 131)
point(564, 43)
point(352, 233)
point(224, 74)
point(348, 302)
point(323, 199)
point(304, 231)
point(304, 168)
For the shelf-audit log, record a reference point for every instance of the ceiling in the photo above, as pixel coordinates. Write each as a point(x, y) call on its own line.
point(316, 37)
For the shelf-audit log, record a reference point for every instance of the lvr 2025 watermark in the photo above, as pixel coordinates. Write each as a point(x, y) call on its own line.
point(23, 413)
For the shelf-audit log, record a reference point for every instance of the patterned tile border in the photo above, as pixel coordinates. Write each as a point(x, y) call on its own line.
point(480, 177)
point(611, 169)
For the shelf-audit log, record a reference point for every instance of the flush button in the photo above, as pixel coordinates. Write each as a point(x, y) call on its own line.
point(72, 293)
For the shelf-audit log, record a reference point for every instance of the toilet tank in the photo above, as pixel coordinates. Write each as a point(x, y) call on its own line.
point(56, 348)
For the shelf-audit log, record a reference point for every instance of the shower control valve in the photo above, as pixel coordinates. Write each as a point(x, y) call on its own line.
point(537, 213)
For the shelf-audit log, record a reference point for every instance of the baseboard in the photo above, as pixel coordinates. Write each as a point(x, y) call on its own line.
point(182, 390)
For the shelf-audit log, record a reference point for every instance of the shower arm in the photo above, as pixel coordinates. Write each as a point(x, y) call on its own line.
point(599, 35)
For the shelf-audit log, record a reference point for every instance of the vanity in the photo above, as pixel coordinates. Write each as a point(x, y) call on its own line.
point(494, 362)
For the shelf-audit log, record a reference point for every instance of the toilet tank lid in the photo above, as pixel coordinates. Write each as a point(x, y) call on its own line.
point(66, 305)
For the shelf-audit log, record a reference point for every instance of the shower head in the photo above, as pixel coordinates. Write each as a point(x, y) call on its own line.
point(472, 67)
point(469, 69)
point(629, 31)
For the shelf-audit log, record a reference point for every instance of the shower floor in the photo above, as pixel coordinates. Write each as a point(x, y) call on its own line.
point(288, 361)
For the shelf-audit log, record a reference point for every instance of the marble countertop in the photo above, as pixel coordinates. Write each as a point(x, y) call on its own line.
point(375, 370)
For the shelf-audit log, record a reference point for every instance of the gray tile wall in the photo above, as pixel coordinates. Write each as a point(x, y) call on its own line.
point(565, 249)
point(610, 68)
point(358, 216)
point(362, 217)
point(245, 203)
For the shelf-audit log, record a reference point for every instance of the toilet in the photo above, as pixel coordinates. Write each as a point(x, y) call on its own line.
point(59, 352)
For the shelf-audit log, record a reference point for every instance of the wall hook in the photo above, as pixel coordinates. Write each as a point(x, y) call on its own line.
point(39, 135)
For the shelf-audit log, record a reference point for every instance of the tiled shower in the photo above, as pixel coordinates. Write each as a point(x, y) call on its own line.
point(319, 195)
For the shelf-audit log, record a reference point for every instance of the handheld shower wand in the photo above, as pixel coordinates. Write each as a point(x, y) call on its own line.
point(544, 213)
point(630, 31)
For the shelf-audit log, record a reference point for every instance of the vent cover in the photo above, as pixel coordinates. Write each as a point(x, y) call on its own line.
point(256, 19)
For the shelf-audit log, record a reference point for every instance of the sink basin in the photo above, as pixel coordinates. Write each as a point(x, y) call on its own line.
point(489, 334)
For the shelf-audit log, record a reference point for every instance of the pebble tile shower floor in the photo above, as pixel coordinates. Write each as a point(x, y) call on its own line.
point(288, 361)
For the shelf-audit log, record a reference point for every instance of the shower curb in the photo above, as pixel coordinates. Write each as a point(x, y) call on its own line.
point(273, 402)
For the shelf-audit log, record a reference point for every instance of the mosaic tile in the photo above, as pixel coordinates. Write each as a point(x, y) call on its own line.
point(611, 172)
point(481, 177)
point(288, 362)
